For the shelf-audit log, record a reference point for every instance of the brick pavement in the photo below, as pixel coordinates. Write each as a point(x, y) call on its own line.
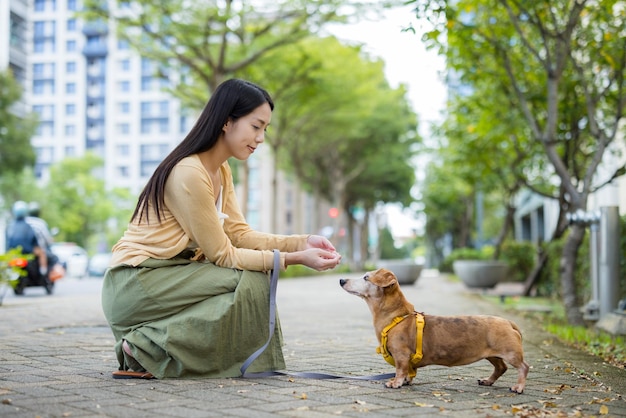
point(56, 357)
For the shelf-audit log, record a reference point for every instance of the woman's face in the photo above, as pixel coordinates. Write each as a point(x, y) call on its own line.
point(244, 135)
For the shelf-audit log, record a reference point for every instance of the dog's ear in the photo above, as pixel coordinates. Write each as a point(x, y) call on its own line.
point(383, 278)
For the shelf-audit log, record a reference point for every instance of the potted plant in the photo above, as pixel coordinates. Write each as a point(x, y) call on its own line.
point(477, 269)
point(406, 269)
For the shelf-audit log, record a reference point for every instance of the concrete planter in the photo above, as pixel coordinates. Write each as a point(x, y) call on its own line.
point(407, 271)
point(480, 273)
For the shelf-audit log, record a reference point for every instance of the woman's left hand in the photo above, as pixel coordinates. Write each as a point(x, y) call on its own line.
point(318, 241)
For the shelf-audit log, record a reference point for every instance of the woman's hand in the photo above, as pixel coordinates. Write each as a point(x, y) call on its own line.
point(319, 255)
point(318, 241)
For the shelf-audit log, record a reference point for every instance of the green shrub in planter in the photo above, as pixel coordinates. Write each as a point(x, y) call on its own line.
point(521, 257)
point(486, 253)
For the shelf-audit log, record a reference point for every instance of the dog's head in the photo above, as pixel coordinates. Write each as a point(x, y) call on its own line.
point(372, 285)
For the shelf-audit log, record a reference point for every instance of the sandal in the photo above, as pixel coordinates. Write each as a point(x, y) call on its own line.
point(127, 374)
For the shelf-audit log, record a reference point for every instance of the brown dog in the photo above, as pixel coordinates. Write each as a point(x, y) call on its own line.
point(446, 340)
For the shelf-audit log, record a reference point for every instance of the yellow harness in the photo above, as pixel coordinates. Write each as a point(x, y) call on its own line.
point(417, 356)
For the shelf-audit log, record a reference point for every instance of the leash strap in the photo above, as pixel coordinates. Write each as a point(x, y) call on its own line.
point(272, 327)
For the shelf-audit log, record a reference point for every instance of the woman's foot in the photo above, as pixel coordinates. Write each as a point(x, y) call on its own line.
point(126, 349)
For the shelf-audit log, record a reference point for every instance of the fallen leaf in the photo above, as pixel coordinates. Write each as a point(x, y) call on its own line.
point(360, 402)
point(423, 405)
point(604, 410)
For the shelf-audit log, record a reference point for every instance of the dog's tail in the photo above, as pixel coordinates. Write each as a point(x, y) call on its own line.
point(516, 328)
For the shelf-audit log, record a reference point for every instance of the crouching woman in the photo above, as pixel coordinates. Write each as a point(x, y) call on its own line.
point(187, 294)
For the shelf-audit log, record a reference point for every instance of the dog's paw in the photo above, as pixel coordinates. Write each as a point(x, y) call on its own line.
point(393, 384)
point(517, 389)
point(485, 382)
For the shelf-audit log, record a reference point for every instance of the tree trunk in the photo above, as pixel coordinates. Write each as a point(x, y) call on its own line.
point(466, 224)
point(245, 188)
point(506, 227)
point(568, 280)
point(274, 205)
point(364, 242)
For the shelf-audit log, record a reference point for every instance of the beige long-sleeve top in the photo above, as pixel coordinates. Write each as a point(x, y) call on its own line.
point(191, 220)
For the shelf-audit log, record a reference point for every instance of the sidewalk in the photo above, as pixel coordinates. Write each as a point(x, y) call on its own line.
point(56, 360)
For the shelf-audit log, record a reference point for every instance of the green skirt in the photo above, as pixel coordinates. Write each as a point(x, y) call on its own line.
point(188, 319)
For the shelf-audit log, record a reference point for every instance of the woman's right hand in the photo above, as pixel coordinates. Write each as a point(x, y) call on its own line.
point(315, 258)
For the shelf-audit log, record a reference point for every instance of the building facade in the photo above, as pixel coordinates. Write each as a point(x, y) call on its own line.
point(93, 93)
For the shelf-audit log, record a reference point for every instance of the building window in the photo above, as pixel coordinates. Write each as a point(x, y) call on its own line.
point(122, 149)
point(123, 128)
point(18, 30)
point(71, 25)
point(124, 65)
point(164, 126)
point(146, 126)
point(43, 87)
point(38, 70)
point(72, 5)
point(124, 107)
point(123, 171)
point(70, 130)
point(70, 109)
point(40, 5)
point(123, 86)
point(122, 45)
point(70, 151)
point(70, 67)
point(46, 128)
point(145, 109)
point(70, 46)
point(70, 88)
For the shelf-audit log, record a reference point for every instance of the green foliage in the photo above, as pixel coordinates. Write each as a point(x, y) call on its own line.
point(388, 249)
point(599, 343)
point(9, 273)
point(303, 271)
point(16, 129)
point(549, 283)
point(521, 257)
point(553, 319)
point(465, 253)
point(340, 145)
point(77, 203)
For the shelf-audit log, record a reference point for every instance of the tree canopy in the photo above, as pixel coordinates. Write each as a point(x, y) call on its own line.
point(561, 65)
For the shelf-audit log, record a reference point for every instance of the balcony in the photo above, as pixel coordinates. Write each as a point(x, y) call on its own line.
point(95, 29)
point(95, 50)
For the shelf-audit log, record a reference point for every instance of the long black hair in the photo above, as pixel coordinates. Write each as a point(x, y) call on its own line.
point(231, 100)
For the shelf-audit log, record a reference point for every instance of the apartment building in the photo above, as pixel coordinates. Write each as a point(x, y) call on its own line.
point(94, 94)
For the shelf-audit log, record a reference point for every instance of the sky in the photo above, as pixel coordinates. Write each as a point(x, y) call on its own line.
point(406, 61)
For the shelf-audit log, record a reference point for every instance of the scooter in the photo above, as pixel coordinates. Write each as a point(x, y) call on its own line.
point(29, 275)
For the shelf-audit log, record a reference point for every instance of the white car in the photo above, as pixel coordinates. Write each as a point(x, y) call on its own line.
point(99, 263)
point(72, 257)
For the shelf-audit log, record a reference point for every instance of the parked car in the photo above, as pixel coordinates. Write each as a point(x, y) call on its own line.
point(98, 264)
point(72, 257)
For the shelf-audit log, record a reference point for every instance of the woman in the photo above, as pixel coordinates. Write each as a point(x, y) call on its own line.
point(188, 291)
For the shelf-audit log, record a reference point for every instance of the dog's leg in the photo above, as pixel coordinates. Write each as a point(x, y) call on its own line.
point(402, 375)
point(522, 372)
point(516, 359)
point(499, 369)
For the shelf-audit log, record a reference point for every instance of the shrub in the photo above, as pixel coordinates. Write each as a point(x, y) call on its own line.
point(521, 258)
point(485, 253)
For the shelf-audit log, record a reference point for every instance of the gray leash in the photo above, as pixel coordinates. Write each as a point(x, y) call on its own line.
point(257, 353)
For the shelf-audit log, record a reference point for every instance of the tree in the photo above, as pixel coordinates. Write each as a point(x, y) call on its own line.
point(563, 65)
point(197, 45)
point(77, 202)
point(345, 126)
point(16, 130)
